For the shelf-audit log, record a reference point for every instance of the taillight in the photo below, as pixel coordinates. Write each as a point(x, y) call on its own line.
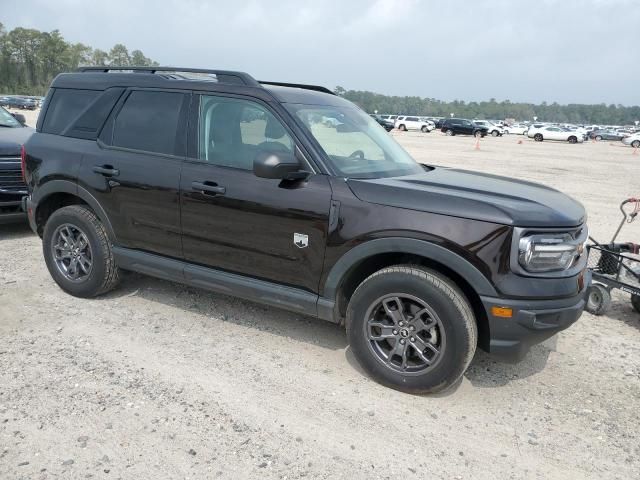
point(23, 162)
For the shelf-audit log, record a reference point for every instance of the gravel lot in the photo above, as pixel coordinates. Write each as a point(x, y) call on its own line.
point(158, 380)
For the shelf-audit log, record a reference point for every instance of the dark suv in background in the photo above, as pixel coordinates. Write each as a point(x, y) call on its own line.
point(291, 196)
point(13, 134)
point(462, 126)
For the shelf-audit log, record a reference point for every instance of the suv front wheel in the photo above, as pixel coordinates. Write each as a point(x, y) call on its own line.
point(78, 252)
point(411, 329)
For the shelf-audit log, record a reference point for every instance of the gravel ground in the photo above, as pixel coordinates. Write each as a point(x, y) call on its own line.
point(158, 380)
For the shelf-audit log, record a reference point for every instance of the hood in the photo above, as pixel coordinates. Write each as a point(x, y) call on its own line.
point(11, 139)
point(473, 195)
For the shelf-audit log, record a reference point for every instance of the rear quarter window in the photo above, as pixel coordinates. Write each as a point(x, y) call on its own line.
point(65, 106)
point(149, 121)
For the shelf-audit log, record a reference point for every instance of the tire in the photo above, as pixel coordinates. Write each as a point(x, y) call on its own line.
point(635, 302)
point(573, 140)
point(635, 144)
point(402, 128)
point(103, 273)
point(538, 137)
point(450, 323)
point(495, 133)
point(424, 129)
point(598, 138)
point(449, 133)
point(598, 299)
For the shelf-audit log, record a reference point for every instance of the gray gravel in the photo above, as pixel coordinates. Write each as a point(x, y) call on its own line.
point(157, 380)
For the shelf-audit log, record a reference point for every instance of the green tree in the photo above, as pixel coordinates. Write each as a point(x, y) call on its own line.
point(119, 56)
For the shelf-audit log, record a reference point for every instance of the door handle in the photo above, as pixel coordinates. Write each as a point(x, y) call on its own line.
point(106, 170)
point(208, 188)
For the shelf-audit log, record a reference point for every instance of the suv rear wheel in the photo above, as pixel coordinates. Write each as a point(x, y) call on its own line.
point(78, 252)
point(449, 132)
point(411, 329)
point(635, 143)
point(402, 128)
point(538, 137)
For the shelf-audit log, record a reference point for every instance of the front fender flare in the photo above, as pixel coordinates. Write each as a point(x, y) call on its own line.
point(412, 246)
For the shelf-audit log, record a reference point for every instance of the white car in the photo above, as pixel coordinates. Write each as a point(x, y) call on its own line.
point(517, 129)
point(407, 122)
point(557, 133)
point(531, 131)
point(492, 129)
point(632, 140)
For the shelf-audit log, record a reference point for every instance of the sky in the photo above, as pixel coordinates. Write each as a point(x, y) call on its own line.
point(565, 51)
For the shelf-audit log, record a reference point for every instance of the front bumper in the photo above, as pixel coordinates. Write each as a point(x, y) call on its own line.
point(11, 211)
point(532, 322)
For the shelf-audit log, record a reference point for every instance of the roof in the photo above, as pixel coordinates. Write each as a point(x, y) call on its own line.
point(101, 78)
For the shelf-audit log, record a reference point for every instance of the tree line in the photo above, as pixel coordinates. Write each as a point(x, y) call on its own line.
point(601, 114)
point(30, 59)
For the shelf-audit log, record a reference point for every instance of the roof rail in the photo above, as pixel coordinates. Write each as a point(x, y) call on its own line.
point(224, 76)
point(316, 88)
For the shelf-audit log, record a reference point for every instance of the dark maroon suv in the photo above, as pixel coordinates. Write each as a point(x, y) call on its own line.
point(291, 196)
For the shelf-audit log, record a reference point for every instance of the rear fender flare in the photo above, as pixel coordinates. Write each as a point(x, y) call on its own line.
point(67, 186)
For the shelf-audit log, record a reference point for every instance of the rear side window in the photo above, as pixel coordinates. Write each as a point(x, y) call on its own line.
point(65, 106)
point(149, 121)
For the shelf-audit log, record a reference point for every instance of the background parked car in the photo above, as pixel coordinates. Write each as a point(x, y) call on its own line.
point(405, 123)
point(462, 126)
point(517, 129)
point(493, 129)
point(18, 102)
point(383, 122)
point(533, 129)
point(632, 140)
point(557, 133)
point(13, 134)
point(598, 135)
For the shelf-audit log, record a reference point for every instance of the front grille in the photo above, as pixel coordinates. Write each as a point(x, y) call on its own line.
point(11, 176)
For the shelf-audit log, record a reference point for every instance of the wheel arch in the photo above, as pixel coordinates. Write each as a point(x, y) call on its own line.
point(361, 261)
point(56, 194)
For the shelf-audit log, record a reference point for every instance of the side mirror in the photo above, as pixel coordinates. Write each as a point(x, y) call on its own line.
point(19, 117)
point(276, 165)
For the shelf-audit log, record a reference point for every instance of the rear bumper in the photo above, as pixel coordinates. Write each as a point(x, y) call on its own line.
point(532, 322)
point(29, 207)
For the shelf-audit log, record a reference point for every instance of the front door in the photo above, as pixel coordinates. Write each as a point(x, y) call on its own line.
point(134, 170)
point(234, 221)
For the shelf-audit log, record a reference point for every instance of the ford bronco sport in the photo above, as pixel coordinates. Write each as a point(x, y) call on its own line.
point(291, 196)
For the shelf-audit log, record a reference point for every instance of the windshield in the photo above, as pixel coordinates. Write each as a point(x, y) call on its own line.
point(7, 120)
point(354, 142)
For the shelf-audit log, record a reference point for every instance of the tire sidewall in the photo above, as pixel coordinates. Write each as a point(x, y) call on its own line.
point(456, 355)
point(95, 280)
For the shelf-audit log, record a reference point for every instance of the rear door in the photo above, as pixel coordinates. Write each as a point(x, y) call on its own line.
point(133, 170)
point(234, 221)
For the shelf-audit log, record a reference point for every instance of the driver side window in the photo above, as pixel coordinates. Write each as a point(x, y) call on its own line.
point(232, 131)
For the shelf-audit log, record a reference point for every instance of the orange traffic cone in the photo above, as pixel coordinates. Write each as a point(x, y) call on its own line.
point(635, 151)
point(477, 143)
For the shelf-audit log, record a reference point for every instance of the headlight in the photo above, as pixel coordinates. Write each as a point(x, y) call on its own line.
point(548, 252)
